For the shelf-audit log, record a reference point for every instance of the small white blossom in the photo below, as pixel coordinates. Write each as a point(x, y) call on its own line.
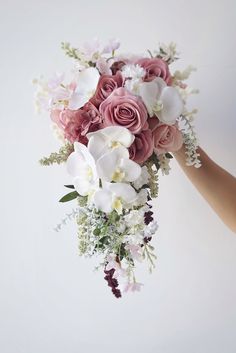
point(150, 229)
point(133, 218)
point(142, 197)
point(133, 71)
point(164, 164)
point(167, 52)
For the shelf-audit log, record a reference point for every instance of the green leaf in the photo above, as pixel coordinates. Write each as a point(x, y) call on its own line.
point(69, 186)
point(68, 197)
point(168, 155)
point(96, 231)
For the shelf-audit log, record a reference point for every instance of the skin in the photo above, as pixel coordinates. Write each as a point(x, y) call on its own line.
point(215, 184)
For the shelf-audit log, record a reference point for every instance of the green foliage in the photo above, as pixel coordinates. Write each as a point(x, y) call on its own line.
point(68, 197)
point(153, 165)
point(70, 51)
point(69, 186)
point(168, 155)
point(58, 157)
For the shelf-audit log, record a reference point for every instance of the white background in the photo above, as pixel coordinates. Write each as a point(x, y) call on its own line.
point(51, 301)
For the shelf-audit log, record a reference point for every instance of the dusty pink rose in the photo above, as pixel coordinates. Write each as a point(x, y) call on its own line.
point(142, 147)
point(77, 123)
point(106, 85)
point(124, 109)
point(155, 67)
point(117, 66)
point(166, 138)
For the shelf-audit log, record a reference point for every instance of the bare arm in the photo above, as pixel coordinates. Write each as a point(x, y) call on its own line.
point(217, 186)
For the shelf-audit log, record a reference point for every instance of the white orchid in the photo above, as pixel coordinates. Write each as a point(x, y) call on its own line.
point(117, 167)
point(114, 196)
point(87, 83)
point(105, 140)
point(81, 165)
point(161, 100)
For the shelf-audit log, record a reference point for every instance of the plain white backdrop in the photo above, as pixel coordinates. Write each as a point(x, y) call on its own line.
point(51, 301)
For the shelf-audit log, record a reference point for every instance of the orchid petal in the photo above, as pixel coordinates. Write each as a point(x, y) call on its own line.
point(172, 105)
point(160, 85)
point(132, 169)
point(82, 186)
point(148, 92)
point(84, 151)
point(97, 145)
point(113, 134)
point(119, 134)
point(103, 200)
point(74, 163)
point(87, 80)
point(109, 162)
point(125, 191)
point(77, 101)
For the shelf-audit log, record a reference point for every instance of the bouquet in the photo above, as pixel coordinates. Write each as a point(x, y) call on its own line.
point(119, 118)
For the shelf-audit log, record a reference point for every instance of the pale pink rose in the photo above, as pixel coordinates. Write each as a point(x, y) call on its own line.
point(142, 147)
point(124, 109)
point(77, 123)
point(155, 67)
point(167, 138)
point(106, 85)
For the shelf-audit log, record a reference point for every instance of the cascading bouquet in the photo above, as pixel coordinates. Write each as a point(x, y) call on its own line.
point(119, 118)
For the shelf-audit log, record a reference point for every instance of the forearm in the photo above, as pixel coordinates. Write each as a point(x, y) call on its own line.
point(217, 186)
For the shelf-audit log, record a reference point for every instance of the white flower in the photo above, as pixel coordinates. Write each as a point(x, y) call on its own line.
point(142, 198)
point(150, 229)
point(133, 218)
point(81, 165)
point(143, 178)
point(114, 196)
point(52, 93)
point(87, 83)
point(161, 100)
point(112, 45)
point(92, 47)
point(134, 75)
point(135, 251)
point(133, 85)
point(105, 140)
point(184, 75)
point(168, 52)
point(132, 287)
point(133, 71)
point(113, 264)
point(104, 66)
point(116, 166)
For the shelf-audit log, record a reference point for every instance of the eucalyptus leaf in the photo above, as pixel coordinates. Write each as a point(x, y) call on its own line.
point(69, 186)
point(168, 155)
point(68, 197)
